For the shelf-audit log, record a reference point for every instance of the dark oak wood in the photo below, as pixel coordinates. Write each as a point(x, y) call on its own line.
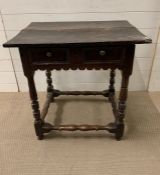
point(78, 45)
point(35, 106)
point(112, 81)
point(57, 93)
point(47, 127)
point(49, 84)
point(78, 33)
point(49, 81)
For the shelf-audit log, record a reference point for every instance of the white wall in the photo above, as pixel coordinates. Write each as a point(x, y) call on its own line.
point(7, 75)
point(17, 14)
point(154, 84)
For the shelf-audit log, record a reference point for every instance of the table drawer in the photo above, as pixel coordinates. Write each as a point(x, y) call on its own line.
point(104, 54)
point(48, 54)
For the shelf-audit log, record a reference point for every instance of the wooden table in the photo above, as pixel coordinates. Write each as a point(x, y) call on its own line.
point(78, 45)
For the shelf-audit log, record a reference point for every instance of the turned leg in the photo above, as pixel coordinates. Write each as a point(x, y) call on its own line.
point(50, 88)
point(112, 92)
point(35, 107)
point(112, 81)
point(49, 81)
point(122, 106)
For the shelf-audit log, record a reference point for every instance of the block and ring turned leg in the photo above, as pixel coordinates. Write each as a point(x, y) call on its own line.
point(38, 122)
point(122, 106)
point(50, 88)
point(112, 92)
point(112, 82)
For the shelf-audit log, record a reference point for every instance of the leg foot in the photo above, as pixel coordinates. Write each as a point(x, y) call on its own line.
point(117, 129)
point(38, 129)
point(119, 132)
point(40, 137)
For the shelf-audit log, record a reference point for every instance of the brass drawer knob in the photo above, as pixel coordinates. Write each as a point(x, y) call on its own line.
point(49, 54)
point(102, 52)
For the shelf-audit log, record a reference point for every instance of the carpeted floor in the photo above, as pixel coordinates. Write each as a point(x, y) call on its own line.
point(79, 153)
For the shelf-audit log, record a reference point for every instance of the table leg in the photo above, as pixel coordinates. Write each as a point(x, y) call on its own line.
point(112, 92)
point(49, 82)
point(35, 107)
point(112, 81)
point(122, 106)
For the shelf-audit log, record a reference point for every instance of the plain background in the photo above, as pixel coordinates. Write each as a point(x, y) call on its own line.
point(144, 14)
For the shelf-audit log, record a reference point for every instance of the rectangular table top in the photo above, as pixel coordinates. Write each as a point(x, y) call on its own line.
point(78, 33)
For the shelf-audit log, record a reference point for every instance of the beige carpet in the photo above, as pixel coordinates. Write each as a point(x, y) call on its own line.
point(79, 153)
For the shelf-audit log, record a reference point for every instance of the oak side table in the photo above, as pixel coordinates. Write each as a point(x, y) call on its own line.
point(78, 45)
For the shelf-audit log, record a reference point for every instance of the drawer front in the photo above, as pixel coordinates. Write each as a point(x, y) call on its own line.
point(104, 54)
point(48, 54)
